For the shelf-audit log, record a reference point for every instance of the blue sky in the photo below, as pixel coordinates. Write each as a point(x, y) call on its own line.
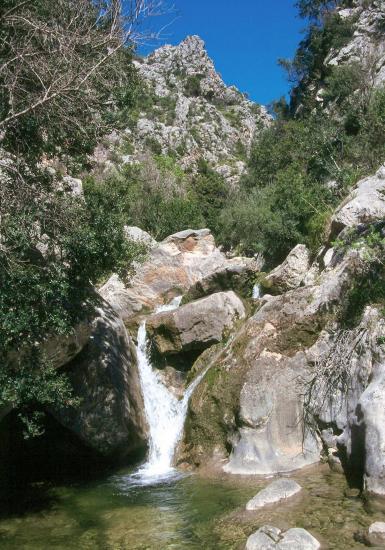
point(244, 38)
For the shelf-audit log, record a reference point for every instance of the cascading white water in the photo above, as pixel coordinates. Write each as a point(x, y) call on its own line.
point(164, 412)
point(256, 292)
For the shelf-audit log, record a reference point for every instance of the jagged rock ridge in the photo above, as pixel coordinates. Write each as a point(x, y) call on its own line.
point(188, 112)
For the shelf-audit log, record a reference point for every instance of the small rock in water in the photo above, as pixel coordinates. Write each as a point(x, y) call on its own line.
point(271, 538)
point(376, 535)
point(265, 538)
point(277, 491)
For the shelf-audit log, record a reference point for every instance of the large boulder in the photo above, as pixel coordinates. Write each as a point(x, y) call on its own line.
point(290, 274)
point(272, 538)
point(110, 417)
point(365, 204)
point(197, 325)
point(238, 274)
point(172, 267)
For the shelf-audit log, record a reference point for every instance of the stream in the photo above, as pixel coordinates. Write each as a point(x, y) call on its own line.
point(155, 506)
point(185, 512)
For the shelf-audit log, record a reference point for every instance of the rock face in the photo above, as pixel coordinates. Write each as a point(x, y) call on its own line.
point(277, 491)
point(270, 538)
point(252, 397)
point(110, 418)
point(290, 274)
point(172, 267)
point(365, 204)
point(191, 113)
point(197, 325)
point(370, 420)
point(367, 45)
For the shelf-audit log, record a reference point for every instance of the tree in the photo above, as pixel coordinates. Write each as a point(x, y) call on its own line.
point(315, 9)
point(65, 71)
point(61, 63)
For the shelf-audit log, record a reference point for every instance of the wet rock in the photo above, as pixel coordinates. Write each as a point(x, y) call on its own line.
point(290, 274)
point(265, 538)
point(277, 491)
point(195, 326)
point(270, 538)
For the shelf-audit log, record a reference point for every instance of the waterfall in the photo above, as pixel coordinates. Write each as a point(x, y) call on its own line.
point(165, 413)
point(256, 292)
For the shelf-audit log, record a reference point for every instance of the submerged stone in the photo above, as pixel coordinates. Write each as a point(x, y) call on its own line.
point(271, 538)
point(278, 490)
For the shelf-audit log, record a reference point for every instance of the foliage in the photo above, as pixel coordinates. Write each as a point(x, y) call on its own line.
point(192, 86)
point(66, 78)
point(369, 285)
point(62, 64)
point(211, 193)
point(34, 383)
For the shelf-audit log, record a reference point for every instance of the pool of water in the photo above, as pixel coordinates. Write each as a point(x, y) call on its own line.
point(182, 512)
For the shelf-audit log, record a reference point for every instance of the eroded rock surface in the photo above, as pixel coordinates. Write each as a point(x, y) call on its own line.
point(110, 417)
point(252, 398)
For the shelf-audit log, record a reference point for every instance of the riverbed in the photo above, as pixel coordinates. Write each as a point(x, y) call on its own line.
point(116, 512)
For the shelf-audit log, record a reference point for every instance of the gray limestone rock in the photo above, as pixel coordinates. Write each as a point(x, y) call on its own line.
point(290, 274)
point(271, 538)
point(195, 326)
point(277, 491)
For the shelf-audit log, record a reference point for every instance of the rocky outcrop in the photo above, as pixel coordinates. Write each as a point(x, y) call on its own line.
point(364, 205)
point(190, 114)
point(290, 274)
point(275, 492)
point(197, 325)
point(269, 538)
point(252, 397)
point(110, 417)
point(172, 267)
point(366, 46)
point(271, 437)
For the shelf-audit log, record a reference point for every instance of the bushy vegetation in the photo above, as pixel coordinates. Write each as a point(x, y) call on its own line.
point(316, 148)
point(65, 78)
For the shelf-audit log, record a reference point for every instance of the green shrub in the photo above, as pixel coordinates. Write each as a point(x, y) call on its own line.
point(192, 86)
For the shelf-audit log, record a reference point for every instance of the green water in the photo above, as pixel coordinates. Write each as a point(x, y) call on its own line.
point(191, 512)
